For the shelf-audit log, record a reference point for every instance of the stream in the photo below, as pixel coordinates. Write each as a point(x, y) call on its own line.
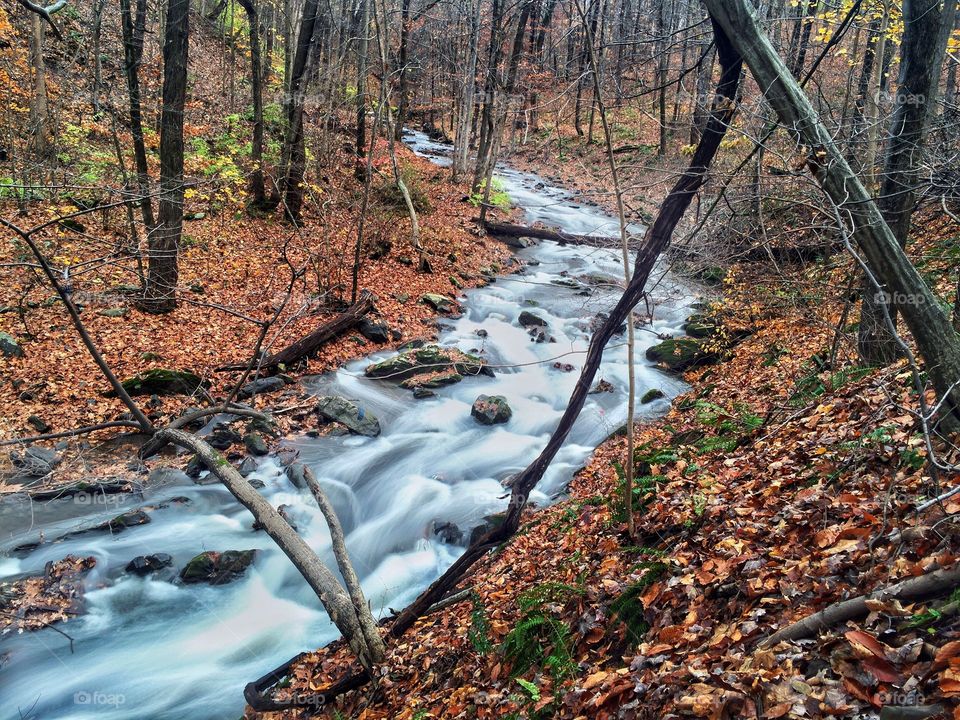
point(152, 649)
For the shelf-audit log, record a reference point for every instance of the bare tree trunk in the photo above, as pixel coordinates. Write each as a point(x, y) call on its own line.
point(938, 344)
point(40, 134)
point(363, 43)
point(920, 63)
point(465, 115)
point(873, 99)
point(160, 294)
point(97, 66)
point(258, 199)
point(133, 29)
point(403, 74)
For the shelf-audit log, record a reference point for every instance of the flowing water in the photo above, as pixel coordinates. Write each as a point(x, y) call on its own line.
point(149, 648)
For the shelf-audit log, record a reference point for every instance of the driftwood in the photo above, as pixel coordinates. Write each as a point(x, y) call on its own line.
point(915, 589)
point(306, 346)
point(517, 231)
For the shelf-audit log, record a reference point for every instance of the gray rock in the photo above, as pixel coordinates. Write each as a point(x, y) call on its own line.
point(223, 436)
point(491, 410)
point(248, 467)
point(255, 443)
point(146, 564)
point(295, 474)
point(427, 359)
point(9, 346)
point(518, 242)
point(37, 423)
point(421, 393)
point(440, 303)
point(164, 382)
point(114, 312)
point(448, 533)
point(355, 417)
point(528, 319)
point(374, 331)
point(261, 385)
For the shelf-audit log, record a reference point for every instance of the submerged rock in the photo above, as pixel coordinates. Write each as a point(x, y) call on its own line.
point(491, 410)
point(217, 568)
point(355, 417)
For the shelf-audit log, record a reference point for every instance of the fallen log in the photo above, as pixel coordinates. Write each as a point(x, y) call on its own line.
point(939, 582)
point(308, 345)
point(511, 230)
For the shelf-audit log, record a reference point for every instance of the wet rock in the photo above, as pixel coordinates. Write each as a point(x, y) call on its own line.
point(566, 282)
point(145, 564)
point(247, 467)
point(125, 520)
point(482, 333)
point(650, 395)
point(421, 393)
point(432, 383)
point(260, 386)
point(217, 568)
point(518, 242)
point(681, 354)
point(448, 533)
point(255, 444)
point(491, 410)
point(195, 467)
point(358, 419)
point(9, 346)
point(257, 483)
point(427, 359)
point(223, 436)
point(490, 522)
point(374, 331)
point(295, 474)
point(440, 303)
point(164, 382)
point(602, 386)
point(540, 335)
point(528, 319)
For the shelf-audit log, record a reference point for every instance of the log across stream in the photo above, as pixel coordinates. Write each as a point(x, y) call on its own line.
point(152, 649)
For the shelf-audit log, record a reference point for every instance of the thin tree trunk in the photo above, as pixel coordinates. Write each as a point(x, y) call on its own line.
point(160, 294)
point(257, 192)
point(133, 29)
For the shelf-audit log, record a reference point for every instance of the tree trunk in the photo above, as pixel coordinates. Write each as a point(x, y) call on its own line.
point(40, 134)
point(97, 65)
point(294, 158)
point(362, 51)
point(133, 30)
point(938, 344)
point(403, 80)
point(920, 61)
point(160, 294)
point(465, 114)
point(257, 194)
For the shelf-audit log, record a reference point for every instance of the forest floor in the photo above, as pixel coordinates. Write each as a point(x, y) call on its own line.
point(779, 484)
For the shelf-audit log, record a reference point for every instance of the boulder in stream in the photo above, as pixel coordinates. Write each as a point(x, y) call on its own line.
point(440, 303)
point(528, 319)
point(217, 568)
point(145, 564)
point(427, 360)
point(491, 410)
point(355, 417)
point(255, 443)
point(652, 394)
point(681, 354)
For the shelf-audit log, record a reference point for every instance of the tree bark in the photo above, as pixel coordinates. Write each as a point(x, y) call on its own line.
point(160, 294)
point(258, 198)
point(920, 63)
point(132, 31)
point(938, 344)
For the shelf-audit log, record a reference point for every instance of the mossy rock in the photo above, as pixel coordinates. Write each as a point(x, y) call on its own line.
point(164, 382)
point(440, 303)
point(9, 346)
point(681, 354)
point(491, 410)
point(700, 326)
point(650, 395)
point(432, 383)
point(425, 360)
point(217, 568)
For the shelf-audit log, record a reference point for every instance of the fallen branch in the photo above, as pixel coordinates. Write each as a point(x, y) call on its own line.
point(511, 230)
point(158, 442)
point(308, 345)
point(915, 589)
point(72, 433)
